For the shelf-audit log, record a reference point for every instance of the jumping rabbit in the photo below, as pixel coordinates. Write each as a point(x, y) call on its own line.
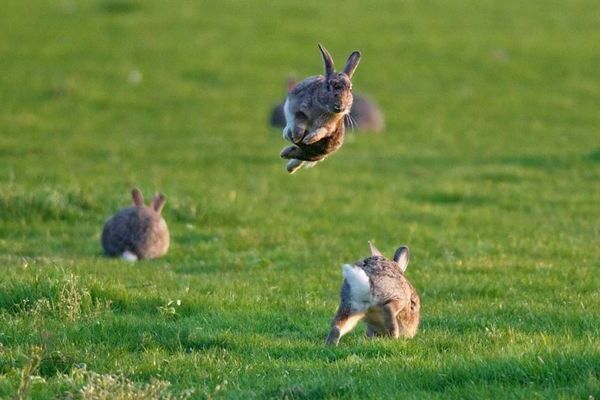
point(365, 115)
point(315, 110)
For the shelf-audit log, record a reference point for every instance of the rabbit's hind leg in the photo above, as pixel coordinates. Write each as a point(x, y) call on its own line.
point(291, 152)
point(294, 133)
point(390, 312)
point(409, 318)
point(294, 165)
point(344, 322)
point(298, 132)
point(310, 164)
point(300, 126)
point(315, 135)
point(296, 123)
point(372, 331)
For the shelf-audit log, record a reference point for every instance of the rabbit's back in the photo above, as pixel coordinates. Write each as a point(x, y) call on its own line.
point(302, 97)
point(138, 230)
point(308, 86)
point(387, 280)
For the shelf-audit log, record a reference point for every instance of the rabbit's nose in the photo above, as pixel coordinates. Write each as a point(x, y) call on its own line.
point(337, 108)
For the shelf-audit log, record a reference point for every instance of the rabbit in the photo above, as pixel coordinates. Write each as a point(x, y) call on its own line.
point(137, 232)
point(365, 114)
point(314, 112)
point(375, 289)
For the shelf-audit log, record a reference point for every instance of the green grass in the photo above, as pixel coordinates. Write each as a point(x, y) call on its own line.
point(489, 170)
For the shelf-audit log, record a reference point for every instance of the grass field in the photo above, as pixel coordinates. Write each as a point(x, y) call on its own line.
point(489, 170)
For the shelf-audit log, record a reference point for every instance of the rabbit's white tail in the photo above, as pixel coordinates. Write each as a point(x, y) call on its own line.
point(360, 286)
point(129, 256)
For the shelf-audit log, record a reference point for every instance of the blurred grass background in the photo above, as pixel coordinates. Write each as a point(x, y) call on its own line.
point(489, 171)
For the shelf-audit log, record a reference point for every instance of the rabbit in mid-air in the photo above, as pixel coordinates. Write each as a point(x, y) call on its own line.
point(375, 289)
point(137, 232)
point(365, 115)
point(315, 110)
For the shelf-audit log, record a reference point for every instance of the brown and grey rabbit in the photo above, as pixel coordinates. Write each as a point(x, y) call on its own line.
point(137, 232)
point(375, 289)
point(365, 114)
point(314, 112)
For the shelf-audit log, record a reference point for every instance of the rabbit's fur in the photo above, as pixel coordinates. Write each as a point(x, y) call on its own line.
point(375, 289)
point(314, 112)
point(137, 232)
point(365, 114)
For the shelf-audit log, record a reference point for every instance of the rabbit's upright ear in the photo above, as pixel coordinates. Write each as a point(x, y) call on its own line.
point(158, 202)
point(352, 63)
point(138, 198)
point(374, 251)
point(401, 257)
point(327, 60)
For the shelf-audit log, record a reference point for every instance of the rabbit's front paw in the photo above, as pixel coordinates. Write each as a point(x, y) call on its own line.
point(310, 139)
point(315, 136)
point(298, 134)
point(294, 165)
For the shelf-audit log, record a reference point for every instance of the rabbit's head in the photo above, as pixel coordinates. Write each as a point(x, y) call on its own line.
point(156, 205)
point(400, 256)
point(335, 96)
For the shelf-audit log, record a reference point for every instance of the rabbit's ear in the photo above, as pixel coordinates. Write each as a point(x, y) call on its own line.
point(158, 202)
point(352, 63)
point(374, 251)
point(138, 198)
point(401, 257)
point(327, 60)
